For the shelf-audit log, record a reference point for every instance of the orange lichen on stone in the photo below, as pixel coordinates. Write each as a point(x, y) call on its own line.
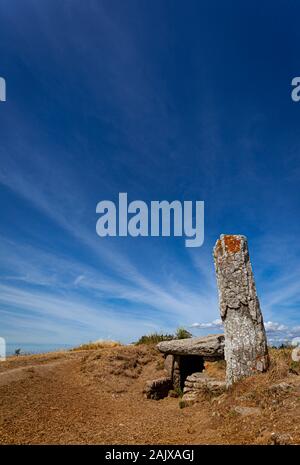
point(232, 244)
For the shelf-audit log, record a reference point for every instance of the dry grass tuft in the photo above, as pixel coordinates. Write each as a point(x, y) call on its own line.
point(216, 369)
point(256, 390)
point(100, 344)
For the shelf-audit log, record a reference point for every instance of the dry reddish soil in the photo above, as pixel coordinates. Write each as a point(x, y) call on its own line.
point(95, 397)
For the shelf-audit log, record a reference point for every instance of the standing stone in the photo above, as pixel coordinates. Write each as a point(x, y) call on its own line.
point(246, 349)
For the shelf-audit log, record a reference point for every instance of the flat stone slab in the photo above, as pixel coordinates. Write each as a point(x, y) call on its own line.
point(209, 347)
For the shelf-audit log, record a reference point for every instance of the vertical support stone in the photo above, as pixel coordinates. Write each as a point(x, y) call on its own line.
point(176, 372)
point(246, 349)
point(168, 365)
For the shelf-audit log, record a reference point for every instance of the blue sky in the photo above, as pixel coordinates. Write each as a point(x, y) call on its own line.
point(163, 100)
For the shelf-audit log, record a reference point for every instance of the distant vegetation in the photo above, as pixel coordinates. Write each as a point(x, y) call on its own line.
point(155, 338)
point(182, 333)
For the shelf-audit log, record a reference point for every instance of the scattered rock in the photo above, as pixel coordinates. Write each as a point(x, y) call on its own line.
point(280, 387)
point(280, 439)
point(188, 399)
point(296, 354)
point(246, 411)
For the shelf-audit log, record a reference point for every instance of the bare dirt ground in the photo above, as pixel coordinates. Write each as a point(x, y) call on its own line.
point(95, 397)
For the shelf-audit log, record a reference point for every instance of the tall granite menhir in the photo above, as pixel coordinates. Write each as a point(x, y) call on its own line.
point(246, 349)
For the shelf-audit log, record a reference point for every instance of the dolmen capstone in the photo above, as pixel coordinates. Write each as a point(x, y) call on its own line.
point(209, 347)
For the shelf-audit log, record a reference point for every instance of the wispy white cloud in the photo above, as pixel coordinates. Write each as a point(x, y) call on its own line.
point(64, 318)
point(276, 332)
point(78, 279)
point(280, 333)
point(273, 327)
point(66, 279)
point(215, 324)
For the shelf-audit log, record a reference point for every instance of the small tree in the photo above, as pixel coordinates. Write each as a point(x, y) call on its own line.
point(182, 333)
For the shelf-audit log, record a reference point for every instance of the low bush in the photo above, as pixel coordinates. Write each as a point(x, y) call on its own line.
point(154, 338)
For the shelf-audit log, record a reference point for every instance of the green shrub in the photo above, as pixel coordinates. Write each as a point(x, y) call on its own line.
point(182, 333)
point(179, 391)
point(182, 403)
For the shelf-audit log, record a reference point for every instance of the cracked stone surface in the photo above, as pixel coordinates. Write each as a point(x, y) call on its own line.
point(246, 349)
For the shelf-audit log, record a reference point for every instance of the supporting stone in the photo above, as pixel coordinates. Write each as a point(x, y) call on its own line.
point(168, 365)
point(177, 381)
point(158, 388)
point(246, 349)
